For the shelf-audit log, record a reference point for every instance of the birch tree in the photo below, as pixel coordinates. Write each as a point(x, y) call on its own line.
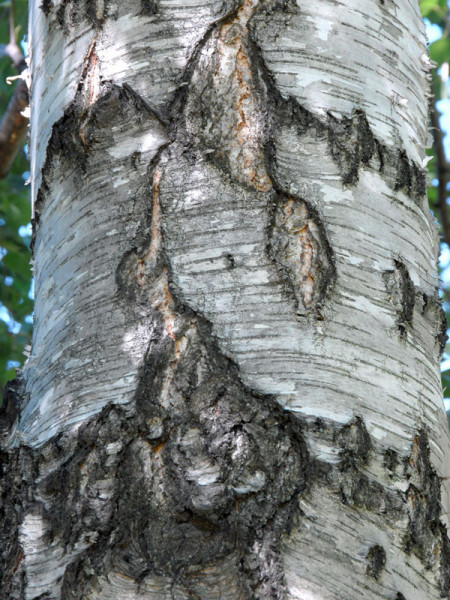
point(233, 389)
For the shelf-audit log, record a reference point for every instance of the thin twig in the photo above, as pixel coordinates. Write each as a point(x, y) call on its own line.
point(12, 29)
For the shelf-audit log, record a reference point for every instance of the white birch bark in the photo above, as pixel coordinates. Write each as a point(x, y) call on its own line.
point(233, 389)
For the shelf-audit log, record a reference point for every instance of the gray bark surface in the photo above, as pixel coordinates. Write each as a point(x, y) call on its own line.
point(233, 390)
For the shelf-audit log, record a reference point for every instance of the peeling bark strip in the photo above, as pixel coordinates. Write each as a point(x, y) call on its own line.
point(233, 388)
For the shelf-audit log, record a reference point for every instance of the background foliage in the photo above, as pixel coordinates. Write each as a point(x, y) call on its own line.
point(16, 303)
point(437, 20)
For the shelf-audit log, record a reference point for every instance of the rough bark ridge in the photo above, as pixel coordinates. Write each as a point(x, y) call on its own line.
point(185, 427)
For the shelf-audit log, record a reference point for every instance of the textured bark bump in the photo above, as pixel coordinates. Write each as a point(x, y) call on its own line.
point(224, 110)
point(299, 246)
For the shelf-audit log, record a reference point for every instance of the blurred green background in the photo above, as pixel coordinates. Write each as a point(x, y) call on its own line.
point(16, 304)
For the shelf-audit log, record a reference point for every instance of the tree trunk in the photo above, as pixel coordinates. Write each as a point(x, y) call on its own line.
point(233, 390)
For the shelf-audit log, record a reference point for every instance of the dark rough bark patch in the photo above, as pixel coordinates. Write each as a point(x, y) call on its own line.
point(376, 561)
point(432, 307)
point(411, 178)
point(444, 576)
point(283, 7)
point(149, 7)
point(18, 472)
point(402, 294)
point(355, 443)
point(13, 400)
point(407, 298)
point(400, 596)
point(349, 478)
point(426, 536)
point(351, 144)
point(46, 7)
point(392, 462)
point(355, 487)
point(442, 336)
point(433, 310)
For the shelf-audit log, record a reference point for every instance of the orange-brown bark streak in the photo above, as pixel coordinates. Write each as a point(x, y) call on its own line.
point(161, 298)
point(245, 153)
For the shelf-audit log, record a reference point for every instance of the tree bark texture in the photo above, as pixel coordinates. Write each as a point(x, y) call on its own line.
point(233, 390)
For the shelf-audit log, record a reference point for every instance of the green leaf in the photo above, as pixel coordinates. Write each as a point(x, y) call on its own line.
point(434, 10)
point(440, 50)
